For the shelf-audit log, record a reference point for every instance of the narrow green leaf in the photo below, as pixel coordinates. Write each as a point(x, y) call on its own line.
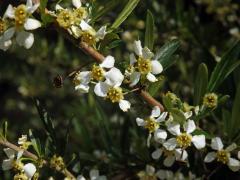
point(227, 64)
point(167, 103)
point(35, 143)
point(149, 33)
point(129, 7)
point(154, 88)
point(200, 85)
point(165, 53)
point(235, 121)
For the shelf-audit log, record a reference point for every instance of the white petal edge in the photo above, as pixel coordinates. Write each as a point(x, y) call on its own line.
point(114, 77)
point(233, 164)
point(210, 157)
point(146, 53)
point(169, 160)
point(140, 122)
point(217, 144)
point(199, 141)
point(174, 129)
point(137, 48)
point(157, 153)
point(151, 77)
point(124, 105)
point(32, 24)
point(134, 78)
point(189, 126)
point(155, 112)
point(156, 67)
point(77, 3)
point(101, 32)
point(10, 12)
point(29, 170)
point(85, 26)
point(108, 62)
point(160, 134)
point(170, 144)
point(25, 39)
point(132, 59)
point(101, 89)
point(94, 174)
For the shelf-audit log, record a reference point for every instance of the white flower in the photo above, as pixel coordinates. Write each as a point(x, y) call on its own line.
point(184, 139)
point(23, 23)
point(82, 79)
point(29, 170)
point(144, 65)
point(94, 175)
point(111, 89)
point(152, 124)
point(170, 156)
point(149, 173)
point(89, 35)
point(11, 154)
point(222, 155)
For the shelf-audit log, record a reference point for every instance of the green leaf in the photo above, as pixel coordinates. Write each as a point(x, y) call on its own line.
point(165, 53)
point(35, 143)
point(4, 130)
point(223, 99)
point(167, 103)
point(201, 82)
point(200, 132)
point(235, 121)
point(155, 87)
point(129, 7)
point(178, 116)
point(104, 9)
point(227, 64)
point(46, 18)
point(149, 33)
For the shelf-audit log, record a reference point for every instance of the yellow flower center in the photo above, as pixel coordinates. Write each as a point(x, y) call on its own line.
point(20, 16)
point(88, 37)
point(17, 165)
point(20, 176)
point(151, 124)
point(115, 94)
point(65, 18)
point(97, 73)
point(2, 26)
point(210, 100)
point(222, 156)
point(184, 140)
point(144, 66)
point(57, 163)
point(79, 14)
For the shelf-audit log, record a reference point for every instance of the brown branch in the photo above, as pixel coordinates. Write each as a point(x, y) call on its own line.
point(32, 156)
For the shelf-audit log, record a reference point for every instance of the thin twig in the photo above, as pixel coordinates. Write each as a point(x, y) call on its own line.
point(32, 156)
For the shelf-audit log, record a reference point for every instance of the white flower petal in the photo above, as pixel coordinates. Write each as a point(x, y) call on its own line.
point(32, 24)
point(170, 144)
point(94, 174)
point(157, 153)
point(217, 144)
point(168, 161)
point(19, 154)
point(9, 152)
point(132, 59)
point(188, 114)
point(165, 174)
point(149, 139)
point(58, 7)
point(25, 39)
point(134, 78)
point(85, 77)
point(140, 122)
point(124, 105)
point(8, 34)
point(114, 77)
point(181, 155)
point(199, 141)
point(238, 155)
point(160, 134)
point(29, 3)
point(233, 164)
point(150, 170)
point(162, 117)
point(189, 126)
point(231, 147)
point(101, 32)
point(156, 67)
point(108, 62)
point(146, 53)
point(85, 26)
point(7, 164)
point(83, 88)
point(137, 48)
point(174, 129)
point(33, 8)
point(101, 89)
point(80, 177)
point(10, 12)
point(4, 45)
point(155, 112)
point(151, 77)
point(210, 157)
point(29, 170)
point(77, 3)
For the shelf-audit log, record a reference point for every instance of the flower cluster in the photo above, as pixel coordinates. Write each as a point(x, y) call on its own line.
point(15, 161)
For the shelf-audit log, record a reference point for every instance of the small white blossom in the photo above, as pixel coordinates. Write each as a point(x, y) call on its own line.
point(143, 64)
point(222, 155)
point(184, 139)
point(152, 124)
point(23, 24)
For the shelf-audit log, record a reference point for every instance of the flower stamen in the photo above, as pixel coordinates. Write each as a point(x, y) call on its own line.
point(115, 94)
point(184, 140)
